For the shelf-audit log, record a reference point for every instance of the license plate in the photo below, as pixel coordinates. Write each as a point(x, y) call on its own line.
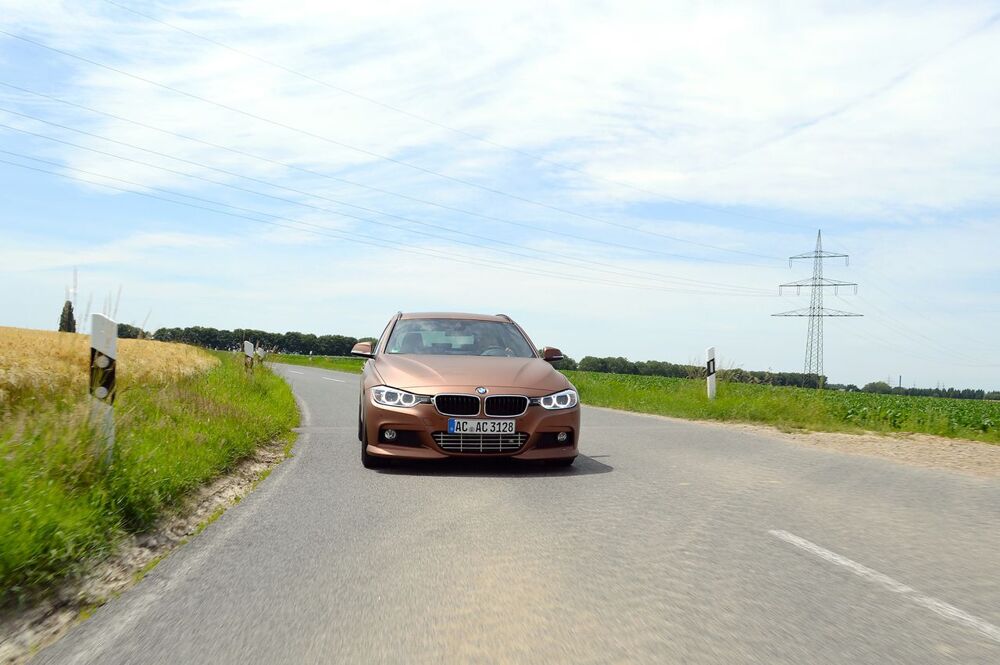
point(459, 426)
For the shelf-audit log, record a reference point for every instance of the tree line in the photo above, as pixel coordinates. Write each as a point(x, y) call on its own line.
point(340, 345)
point(225, 340)
point(884, 388)
point(619, 365)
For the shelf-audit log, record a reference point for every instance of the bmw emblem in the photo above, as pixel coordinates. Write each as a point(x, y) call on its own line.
point(481, 390)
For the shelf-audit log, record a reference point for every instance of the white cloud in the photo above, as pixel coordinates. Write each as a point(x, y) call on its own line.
point(689, 99)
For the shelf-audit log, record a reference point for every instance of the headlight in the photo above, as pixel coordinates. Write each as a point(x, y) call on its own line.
point(387, 396)
point(565, 399)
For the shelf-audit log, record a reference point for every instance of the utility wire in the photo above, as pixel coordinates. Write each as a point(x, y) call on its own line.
point(547, 256)
point(894, 348)
point(897, 301)
point(908, 333)
point(913, 334)
point(441, 125)
point(903, 304)
point(322, 230)
point(371, 153)
point(548, 259)
point(296, 225)
point(236, 151)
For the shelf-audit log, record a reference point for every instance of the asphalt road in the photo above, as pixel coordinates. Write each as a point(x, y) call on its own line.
point(667, 542)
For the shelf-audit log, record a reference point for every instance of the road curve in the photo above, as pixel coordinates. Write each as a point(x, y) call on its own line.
point(666, 542)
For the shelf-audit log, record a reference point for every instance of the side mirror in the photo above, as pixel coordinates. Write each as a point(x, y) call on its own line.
point(363, 349)
point(551, 354)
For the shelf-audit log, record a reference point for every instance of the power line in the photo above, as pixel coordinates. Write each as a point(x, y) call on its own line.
point(602, 242)
point(441, 125)
point(547, 257)
point(896, 300)
point(350, 237)
point(296, 225)
point(952, 357)
point(922, 317)
point(894, 348)
point(370, 153)
point(914, 335)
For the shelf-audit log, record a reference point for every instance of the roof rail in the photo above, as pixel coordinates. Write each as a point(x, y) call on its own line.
point(505, 316)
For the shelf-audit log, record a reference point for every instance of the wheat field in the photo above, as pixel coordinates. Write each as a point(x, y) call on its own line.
point(35, 363)
point(183, 415)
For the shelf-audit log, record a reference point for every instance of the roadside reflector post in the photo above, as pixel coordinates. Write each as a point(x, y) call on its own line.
point(710, 370)
point(103, 356)
point(248, 351)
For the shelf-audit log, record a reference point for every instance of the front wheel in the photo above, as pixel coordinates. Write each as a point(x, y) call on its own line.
point(369, 461)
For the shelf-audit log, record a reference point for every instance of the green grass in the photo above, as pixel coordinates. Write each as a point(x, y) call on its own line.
point(352, 364)
point(783, 407)
point(792, 408)
point(60, 506)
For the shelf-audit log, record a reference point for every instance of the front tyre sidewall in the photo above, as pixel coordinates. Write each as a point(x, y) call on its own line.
point(368, 461)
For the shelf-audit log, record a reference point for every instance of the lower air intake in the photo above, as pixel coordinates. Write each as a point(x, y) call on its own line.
point(480, 443)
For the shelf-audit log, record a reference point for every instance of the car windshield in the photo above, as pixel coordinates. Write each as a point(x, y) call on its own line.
point(458, 337)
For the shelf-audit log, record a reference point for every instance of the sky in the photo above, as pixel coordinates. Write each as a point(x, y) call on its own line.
point(622, 178)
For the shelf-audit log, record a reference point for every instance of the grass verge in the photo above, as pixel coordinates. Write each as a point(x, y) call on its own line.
point(792, 408)
point(350, 364)
point(60, 507)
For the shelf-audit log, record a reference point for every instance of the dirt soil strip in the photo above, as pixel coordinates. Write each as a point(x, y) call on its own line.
point(24, 631)
point(925, 450)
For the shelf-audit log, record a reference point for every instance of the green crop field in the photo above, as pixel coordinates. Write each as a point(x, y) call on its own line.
point(183, 416)
point(785, 407)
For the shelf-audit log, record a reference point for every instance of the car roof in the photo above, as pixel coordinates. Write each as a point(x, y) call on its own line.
point(503, 318)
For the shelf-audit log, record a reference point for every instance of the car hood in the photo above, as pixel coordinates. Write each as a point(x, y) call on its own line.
point(426, 374)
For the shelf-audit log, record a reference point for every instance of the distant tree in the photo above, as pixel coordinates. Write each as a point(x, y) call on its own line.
point(880, 387)
point(565, 363)
point(66, 321)
point(334, 345)
point(592, 364)
point(125, 331)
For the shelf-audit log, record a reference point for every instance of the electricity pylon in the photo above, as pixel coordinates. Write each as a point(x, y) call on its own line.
point(816, 312)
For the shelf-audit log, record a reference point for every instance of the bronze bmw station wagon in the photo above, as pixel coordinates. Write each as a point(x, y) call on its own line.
point(463, 385)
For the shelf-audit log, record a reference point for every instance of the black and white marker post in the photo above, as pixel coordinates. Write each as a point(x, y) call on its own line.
point(103, 353)
point(710, 370)
point(248, 351)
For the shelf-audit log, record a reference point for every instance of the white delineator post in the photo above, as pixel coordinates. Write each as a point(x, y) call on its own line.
point(103, 355)
point(248, 352)
point(710, 370)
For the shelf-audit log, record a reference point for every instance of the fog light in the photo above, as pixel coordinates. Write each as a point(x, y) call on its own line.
point(561, 437)
point(389, 434)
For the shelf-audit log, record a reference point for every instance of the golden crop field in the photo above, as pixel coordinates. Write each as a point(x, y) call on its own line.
point(44, 362)
point(182, 417)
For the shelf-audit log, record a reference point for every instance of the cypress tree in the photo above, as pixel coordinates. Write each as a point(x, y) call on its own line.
point(66, 321)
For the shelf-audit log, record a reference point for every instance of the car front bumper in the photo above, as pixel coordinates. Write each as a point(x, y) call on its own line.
point(416, 426)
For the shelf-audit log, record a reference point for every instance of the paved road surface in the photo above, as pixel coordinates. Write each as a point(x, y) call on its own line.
point(667, 542)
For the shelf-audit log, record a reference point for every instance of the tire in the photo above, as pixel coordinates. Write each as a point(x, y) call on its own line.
point(368, 461)
point(565, 462)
